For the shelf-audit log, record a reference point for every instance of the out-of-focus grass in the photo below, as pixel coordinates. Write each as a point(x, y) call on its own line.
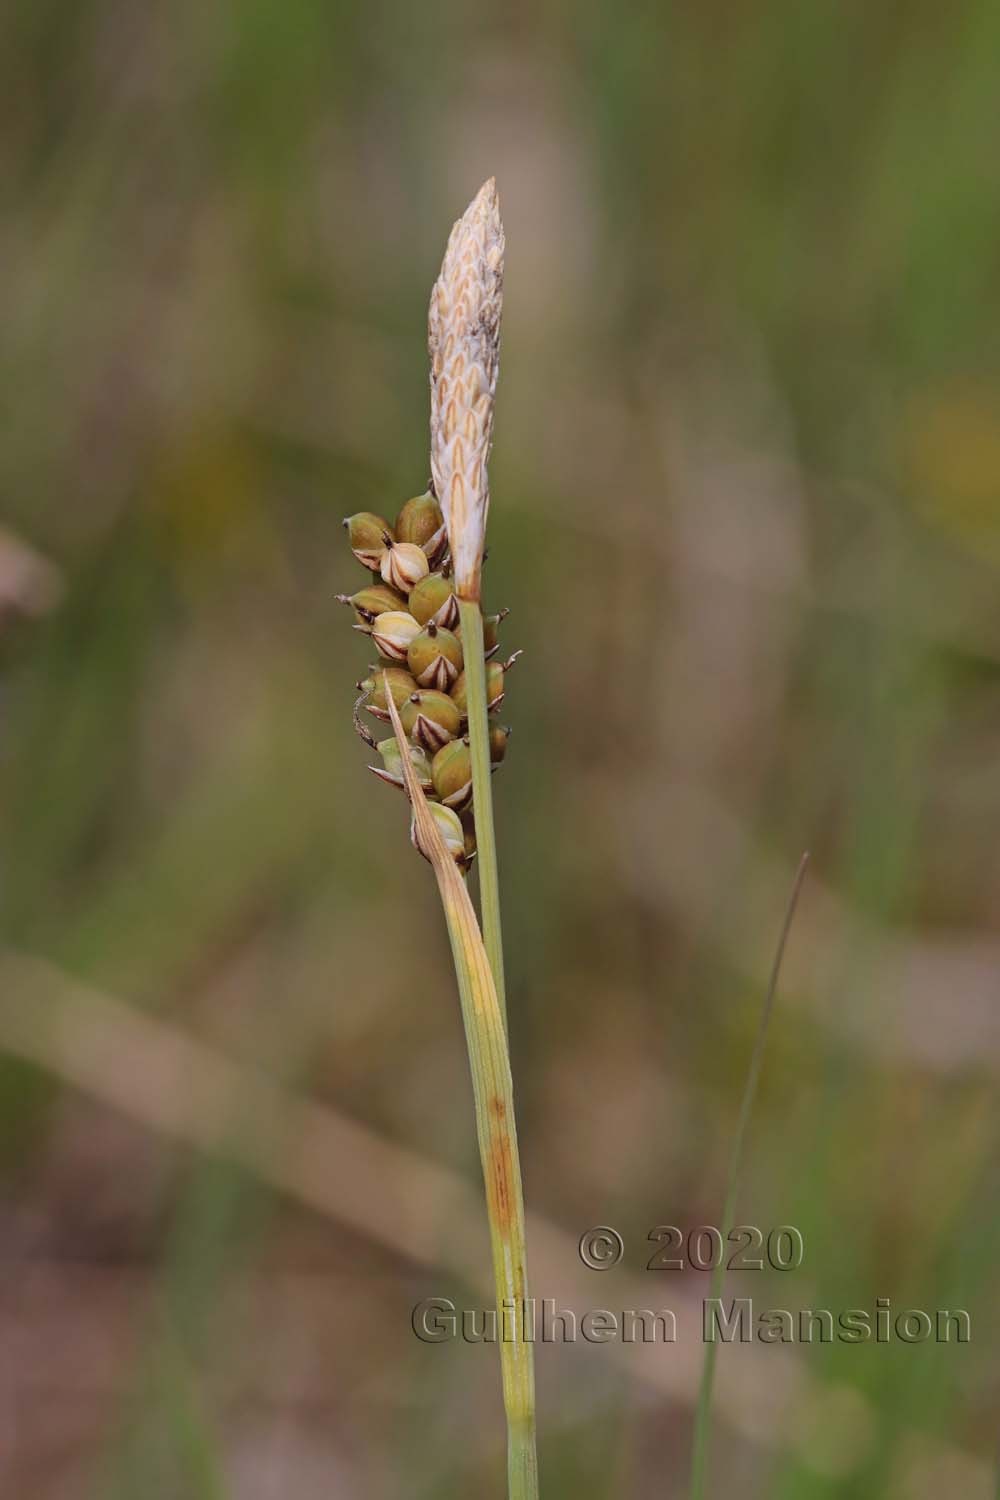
point(747, 449)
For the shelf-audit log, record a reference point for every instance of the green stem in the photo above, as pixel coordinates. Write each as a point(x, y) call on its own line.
point(703, 1414)
point(482, 791)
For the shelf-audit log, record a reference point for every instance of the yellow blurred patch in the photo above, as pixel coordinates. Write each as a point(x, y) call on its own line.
point(208, 494)
point(951, 458)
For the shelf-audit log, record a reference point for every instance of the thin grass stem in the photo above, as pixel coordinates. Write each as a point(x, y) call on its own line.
point(703, 1413)
point(482, 791)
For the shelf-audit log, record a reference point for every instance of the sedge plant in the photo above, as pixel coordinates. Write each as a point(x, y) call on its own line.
point(436, 685)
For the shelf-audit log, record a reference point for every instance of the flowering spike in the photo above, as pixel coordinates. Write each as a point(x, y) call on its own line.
point(451, 771)
point(401, 685)
point(463, 339)
point(403, 564)
point(434, 657)
point(392, 632)
point(367, 534)
point(372, 601)
point(433, 598)
point(391, 770)
point(450, 828)
point(419, 520)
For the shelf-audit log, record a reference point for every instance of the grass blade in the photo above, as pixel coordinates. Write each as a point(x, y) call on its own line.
point(486, 1040)
point(703, 1413)
point(482, 791)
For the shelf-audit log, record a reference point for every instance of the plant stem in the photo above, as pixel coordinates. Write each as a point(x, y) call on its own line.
point(482, 791)
point(493, 1095)
point(486, 1041)
point(703, 1414)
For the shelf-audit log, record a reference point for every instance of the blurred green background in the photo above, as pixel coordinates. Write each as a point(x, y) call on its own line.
point(747, 517)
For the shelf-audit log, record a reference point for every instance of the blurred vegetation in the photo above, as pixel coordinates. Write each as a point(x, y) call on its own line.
point(747, 516)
